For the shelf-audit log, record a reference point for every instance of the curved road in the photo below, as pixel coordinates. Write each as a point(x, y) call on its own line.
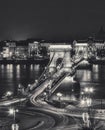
point(38, 119)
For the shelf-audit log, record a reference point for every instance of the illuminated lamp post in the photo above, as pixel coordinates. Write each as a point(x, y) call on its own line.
point(13, 111)
point(88, 90)
point(86, 115)
point(82, 94)
point(82, 102)
point(9, 94)
point(86, 120)
point(45, 96)
point(59, 95)
point(87, 101)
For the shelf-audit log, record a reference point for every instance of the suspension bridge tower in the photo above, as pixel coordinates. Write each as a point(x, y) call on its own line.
point(60, 56)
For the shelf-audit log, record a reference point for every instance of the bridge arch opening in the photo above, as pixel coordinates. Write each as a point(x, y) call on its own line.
point(60, 54)
point(59, 61)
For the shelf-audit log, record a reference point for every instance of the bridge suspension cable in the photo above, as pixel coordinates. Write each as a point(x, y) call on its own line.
point(46, 68)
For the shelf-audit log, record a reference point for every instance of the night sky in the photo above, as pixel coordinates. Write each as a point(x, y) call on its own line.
point(50, 19)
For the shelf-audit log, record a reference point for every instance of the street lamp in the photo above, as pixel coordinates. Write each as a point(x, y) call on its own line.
point(86, 115)
point(88, 90)
point(59, 95)
point(91, 90)
point(82, 102)
point(87, 101)
point(13, 111)
point(45, 96)
point(82, 95)
point(9, 93)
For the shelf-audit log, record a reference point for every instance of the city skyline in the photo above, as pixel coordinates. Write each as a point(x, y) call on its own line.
point(51, 20)
point(52, 64)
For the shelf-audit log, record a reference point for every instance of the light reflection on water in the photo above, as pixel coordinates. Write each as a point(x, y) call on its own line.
point(93, 78)
point(12, 75)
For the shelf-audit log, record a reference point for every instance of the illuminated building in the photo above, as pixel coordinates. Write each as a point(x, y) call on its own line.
point(81, 48)
point(12, 47)
point(21, 50)
point(33, 48)
point(8, 49)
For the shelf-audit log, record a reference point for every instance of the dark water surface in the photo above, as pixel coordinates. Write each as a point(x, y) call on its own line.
point(12, 75)
point(93, 78)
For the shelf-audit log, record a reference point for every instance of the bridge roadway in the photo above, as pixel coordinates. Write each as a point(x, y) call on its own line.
point(49, 81)
point(31, 118)
point(45, 119)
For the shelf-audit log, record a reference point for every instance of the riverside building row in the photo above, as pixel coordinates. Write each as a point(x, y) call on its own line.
point(24, 50)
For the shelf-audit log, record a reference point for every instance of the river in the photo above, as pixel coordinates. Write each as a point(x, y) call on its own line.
point(12, 75)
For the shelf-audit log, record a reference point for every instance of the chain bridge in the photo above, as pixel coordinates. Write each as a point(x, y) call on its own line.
point(60, 66)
